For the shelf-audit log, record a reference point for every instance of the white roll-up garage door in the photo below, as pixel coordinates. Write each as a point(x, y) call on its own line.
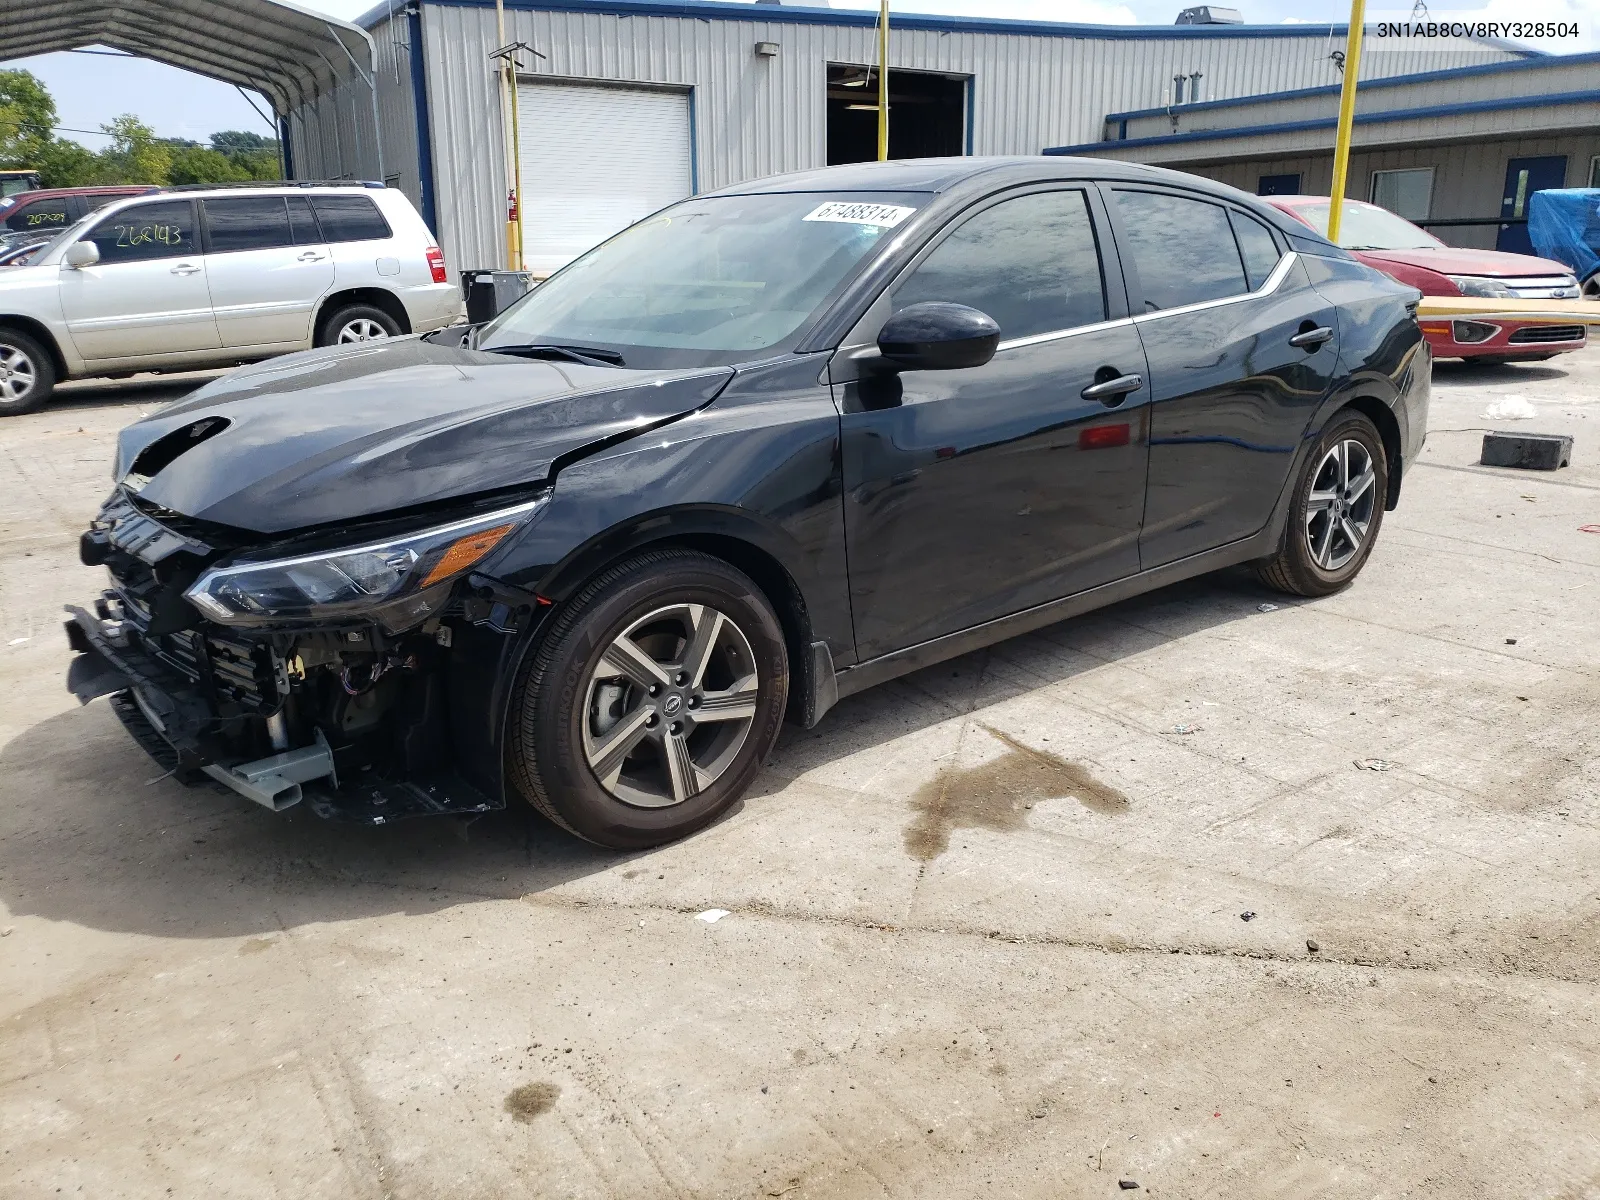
point(595, 160)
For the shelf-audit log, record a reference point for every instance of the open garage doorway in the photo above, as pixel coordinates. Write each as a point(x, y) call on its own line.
point(927, 114)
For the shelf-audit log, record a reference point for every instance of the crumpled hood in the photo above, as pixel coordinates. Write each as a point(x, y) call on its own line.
point(335, 435)
point(1453, 260)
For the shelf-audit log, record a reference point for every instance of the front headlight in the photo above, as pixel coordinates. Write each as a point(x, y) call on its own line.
point(398, 582)
point(1481, 285)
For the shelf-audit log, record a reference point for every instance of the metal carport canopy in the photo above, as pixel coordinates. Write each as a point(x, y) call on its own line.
point(291, 56)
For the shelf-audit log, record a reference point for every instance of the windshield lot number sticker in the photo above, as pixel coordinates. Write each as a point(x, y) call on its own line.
point(885, 216)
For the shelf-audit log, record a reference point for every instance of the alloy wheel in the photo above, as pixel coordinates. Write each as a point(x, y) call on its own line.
point(1340, 507)
point(18, 375)
point(361, 329)
point(669, 705)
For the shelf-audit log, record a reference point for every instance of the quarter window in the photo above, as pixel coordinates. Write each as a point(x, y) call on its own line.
point(350, 219)
point(1030, 263)
point(42, 216)
point(1182, 249)
point(1256, 247)
point(163, 230)
point(246, 223)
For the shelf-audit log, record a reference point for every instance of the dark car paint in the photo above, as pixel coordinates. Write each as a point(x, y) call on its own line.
point(318, 438)
point(772, 464)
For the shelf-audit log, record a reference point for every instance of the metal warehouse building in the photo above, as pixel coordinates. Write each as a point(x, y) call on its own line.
point(637, 103)
point(1456, 151)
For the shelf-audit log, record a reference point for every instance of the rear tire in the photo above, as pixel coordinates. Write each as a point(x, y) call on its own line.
point(356, 323)
point(27, 374)
point(647, 709)
point(1335, 511)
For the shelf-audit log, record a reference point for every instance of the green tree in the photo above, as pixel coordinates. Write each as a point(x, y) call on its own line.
point(196, 164)
point(27, 118)
point(61, 163)
point(233, 141)
point(136, 154)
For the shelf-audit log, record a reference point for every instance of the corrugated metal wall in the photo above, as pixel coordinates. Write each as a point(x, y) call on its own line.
point(758, 116)
point(1467, 177)
point(397, 117)
point(331, 135)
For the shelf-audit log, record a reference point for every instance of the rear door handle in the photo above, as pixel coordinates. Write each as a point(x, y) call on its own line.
point(310, 256)
point(1310, 339)
point(1111, 392)
point(185, 269)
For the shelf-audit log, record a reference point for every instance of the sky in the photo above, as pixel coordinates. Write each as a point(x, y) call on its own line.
point(91, 89)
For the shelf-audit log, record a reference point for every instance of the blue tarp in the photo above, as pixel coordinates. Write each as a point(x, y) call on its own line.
point(1564, 224)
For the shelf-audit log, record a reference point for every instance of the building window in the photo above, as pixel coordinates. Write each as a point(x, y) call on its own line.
point(1278, 185)
point(1406, 193)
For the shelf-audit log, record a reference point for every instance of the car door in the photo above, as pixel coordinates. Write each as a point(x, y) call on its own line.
point(267, 267)
point(1241, 349)
point(147, 295)
point(972, 494)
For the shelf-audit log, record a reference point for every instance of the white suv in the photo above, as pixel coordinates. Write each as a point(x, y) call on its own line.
point(206, 276)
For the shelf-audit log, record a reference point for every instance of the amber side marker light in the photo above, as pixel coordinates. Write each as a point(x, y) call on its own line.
point(465, 551)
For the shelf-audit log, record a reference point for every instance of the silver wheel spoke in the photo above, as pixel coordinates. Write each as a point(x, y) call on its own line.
point(737, 703)
point(1352, 533)
point(1344, 465)
point(1319, 501)
point(606, 756)
point(1363, 481)
point(625, 658)
point(680, 766)
point(707, 624)
point(1324, 551)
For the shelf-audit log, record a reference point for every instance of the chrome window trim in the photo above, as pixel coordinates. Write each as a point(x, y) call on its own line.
point(1272, 283)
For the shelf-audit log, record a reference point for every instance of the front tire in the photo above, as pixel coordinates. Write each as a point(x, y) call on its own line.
point(27, 374)
point(647, 709)
point(1335, 511)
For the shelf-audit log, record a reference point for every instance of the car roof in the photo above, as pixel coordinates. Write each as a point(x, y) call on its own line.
point(105, 189)
point(942, 175)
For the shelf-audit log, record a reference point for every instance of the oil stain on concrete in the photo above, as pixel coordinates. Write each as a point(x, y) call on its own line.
point(532, 1100)
point(998, 794)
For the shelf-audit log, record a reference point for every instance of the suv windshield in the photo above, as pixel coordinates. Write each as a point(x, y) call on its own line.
point(707, 282)
point(1368, 227)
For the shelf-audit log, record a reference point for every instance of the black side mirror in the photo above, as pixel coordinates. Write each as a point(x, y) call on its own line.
point(938, 336)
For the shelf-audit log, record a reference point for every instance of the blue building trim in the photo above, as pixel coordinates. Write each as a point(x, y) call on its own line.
point(785, 15)
point(1524, 64)
point(694, 146)
point(288, 147)
point(419, 102)
point(972, 113)
point(1378, 118)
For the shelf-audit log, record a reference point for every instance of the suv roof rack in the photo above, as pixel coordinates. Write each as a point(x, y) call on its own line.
point(274, 183)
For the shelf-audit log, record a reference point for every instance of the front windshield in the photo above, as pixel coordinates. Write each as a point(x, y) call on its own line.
point(1368, 227)
point(713, 280)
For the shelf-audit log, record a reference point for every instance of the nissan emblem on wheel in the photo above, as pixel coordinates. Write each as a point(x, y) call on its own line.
point(757, 452)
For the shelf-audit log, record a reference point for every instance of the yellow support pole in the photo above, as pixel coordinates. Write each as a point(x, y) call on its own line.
point(1347, 113)
point(883, 81)
point(513, 248)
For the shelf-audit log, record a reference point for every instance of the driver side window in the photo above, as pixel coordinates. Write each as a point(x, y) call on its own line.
point(1031, 263)
point(161, 230)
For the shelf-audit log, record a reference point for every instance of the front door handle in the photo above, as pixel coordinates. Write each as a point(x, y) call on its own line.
point(1311, 339)
point(185, 269)
point(1111, 392)
point(310, 256)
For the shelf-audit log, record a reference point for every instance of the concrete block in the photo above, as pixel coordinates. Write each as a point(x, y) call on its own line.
point(1529, 451)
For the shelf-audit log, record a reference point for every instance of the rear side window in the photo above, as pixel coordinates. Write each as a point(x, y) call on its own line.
point(246, 223)
point(40, 216)
point(1030, 263)
point(303, 222)
point(161, 230)
point(1182, 249)
point(1256, 247)
point(350, 219)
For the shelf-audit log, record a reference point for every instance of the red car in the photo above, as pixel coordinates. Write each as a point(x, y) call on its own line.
point(1396, 247)
point(25, 216)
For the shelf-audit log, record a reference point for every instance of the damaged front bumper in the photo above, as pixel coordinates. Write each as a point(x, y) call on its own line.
point(177, 719)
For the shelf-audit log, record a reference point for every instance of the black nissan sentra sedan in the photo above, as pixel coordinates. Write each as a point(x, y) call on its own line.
point(761, 450)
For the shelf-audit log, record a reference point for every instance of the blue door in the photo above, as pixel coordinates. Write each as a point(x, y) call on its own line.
point(1524, 177)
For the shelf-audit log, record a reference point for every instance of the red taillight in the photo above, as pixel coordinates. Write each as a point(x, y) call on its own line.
point(436, 263)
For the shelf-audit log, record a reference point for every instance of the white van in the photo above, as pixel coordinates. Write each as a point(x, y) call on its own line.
point(211, 276)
